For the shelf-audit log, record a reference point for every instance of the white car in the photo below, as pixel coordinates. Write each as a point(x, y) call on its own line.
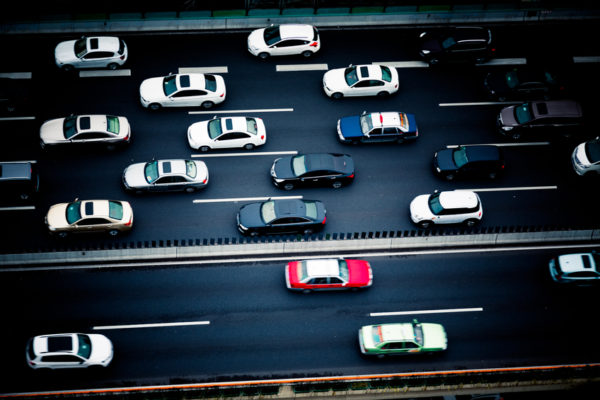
point(165, 176)
point(103, 129)
point(578, 268)
point(284, 40)
point(227, 133)
point(91, 52)
point(586, 157)
point(361, 80)
point(451, 207)
point(182, 90)
point(69, 350)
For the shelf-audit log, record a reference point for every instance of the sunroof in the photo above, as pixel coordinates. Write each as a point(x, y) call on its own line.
point(167, 167)
point(364, 71)
point(84, 123)
point(542, 108)
point(60, 343)
point(89, 208)
point(184, 81)
point(94, 44)
point(228, 124)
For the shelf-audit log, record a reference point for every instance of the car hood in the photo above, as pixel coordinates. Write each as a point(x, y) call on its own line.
point(52, 131)
point(350, 127)
point(434, 336)
point(282, 167)
point(444, 160)
point(57, 216)
point(134, 175)
point(102, 349)
point(335, 79)
point(249, 215)
point(574, 262)
point(151, 89)
point(430, 43)
point(198, 131)
point(256, 39)
point(419, 207)
point(507, 115)
point(65, 52)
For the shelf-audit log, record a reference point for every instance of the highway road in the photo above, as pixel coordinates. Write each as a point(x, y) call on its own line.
point(538, 189)
point(224, 322)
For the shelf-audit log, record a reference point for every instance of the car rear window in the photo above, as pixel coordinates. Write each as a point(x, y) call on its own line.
point(121, 47)
point(311, 209)
point(115, 210)
point(315, 34)
point(112, 124)
point(73, 213)
point(210, 83)
point(251, 126)
point(386, 74)
point(190, 169)
point(344, 274)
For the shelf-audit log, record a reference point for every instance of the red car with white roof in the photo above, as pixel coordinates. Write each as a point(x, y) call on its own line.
point(328, 274)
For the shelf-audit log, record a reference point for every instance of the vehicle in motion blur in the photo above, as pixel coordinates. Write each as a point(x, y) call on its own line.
point(69, 350)
point(402, 338)
point(328, 274)
point(284, 40)
point(91, 52)
point(314, 169)
point(469, 162)
point(377, 127)
point(19, 180)
point(523, 83)
point(449, 207)
point(586, 157)
point(361, 80)
point(281, 216)
point(577, 268)
point(165, 176)
point(81, 216)
point(552, 117)
point(456, 44)
point(227, 133)
point(108, 130)
point(182, 90)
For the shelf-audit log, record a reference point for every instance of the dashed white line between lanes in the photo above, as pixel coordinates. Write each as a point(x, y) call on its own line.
point(442, 311)
point(17, 208)
point(230, 200)
point(263, 153)
point(403, 64)
point(256, 110)
point(301, 67)
point(586, 59)
point(103, 73)
point(478, 103)
point(509, 189)
point(25, 118)
point(503, 61)
point(204, 70)
point(157, 325)
point(16, 75)
point(516, 144)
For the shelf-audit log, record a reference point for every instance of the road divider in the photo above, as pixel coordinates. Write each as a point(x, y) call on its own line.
point(238, 199)
point(403, 64)
point(249, 154)
point(104, 73)
point(301, 67)
point(203, 70)
point(256, 110)
point(588, 59)
point(156, 325)
point(443, 311)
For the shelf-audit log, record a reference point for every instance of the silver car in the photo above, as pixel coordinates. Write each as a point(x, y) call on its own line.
point(166, 175)
point(578, 268)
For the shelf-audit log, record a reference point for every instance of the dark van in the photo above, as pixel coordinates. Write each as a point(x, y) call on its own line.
point(19, 180)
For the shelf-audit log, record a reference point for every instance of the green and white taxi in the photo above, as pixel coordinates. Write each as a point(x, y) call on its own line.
point(402, 338)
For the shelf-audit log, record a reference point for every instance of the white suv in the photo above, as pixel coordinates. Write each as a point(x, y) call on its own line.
point(452, 207)
point(284, 40)
point(586, 157)
point(69, 350)
point(91, 52)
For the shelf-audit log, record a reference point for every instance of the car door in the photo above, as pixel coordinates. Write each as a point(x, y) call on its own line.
point(392, 347)
point(313, 178)
point(163, 184)
point(97, 59)
point(391, 134)
point(90, 137)
point(231, 140)
point(287, 47)
point(366, 87)
point(57, 361)
point(187, 98)
point(318, 283)
point(93, 224)
point(375, 135)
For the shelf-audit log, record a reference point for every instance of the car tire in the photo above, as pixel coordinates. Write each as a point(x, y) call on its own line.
point(263, 55)
point(248, 146)
point(501, 98)
point(62, 235)
point(288, 186)
point(67, 68)
point(204, 149)
point(190, 189)
point(307, 53)
point(337, 95)
point(207, 104)
point(492, 175)
point(336, 184)
point(400, 140)
point(425, 224)
point(449, 177)
point(253, 233)
point(383, 93)
point(154, 106)
point(515, 135)
point(470, 223)
point(308, 231)
point(434, 61)
point(113, 232)
point(113, 66)
point(111, 146)
point(306, 291)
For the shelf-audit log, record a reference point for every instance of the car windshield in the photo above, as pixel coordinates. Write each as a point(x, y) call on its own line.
point(73, 213)
point(170, 84)
point(311, 209)
point(299, 165)
point(267, 211)
point(350, 75)
point(151, 171)
point(214, 128)
point(523, 113)
point(512, 79)
point(85, 346)
point(272, 35)
point(366, 123)
point(112, 124)
point(434, 204)
point(592, 150)
point(344, 270)
point(386, 74)
point(210, 83)
point(459, 156)
point(190, 168)
point(80, 47)
point(448, 42)
point(70, 126)
point(377, 334)
point(115, 210)
point(418, 330)
point(251, 126)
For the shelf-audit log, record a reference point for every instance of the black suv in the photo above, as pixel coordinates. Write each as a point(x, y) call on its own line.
point(460, 44)
point(19, 180)
point(469, 162)
point(552, 117)
point(523, 83)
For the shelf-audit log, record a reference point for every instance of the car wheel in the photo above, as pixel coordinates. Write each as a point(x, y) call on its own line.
point(207, 104)
point(400, 140)
point(337, 184)
point(516, 135)
point(24, 196)
point(337, 95)
point(471, 223)
point(501, 98)
point(113, 66)
point(204, 149)
point(190, 189)
point(450, 177)
point(62, 235)
point(306, 291)
point(113, 232)
point(67, 68)
point(308, 231)
point(154, 106)
point(263, 56)
point(248, 146)
point(425, 224)
point(383, 94)
point(111, 146)
point(288, 186)
point(253, 233)
point(434, 61)
point(492, 175)
point(307, 53)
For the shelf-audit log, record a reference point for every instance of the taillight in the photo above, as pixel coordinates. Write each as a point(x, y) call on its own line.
point(122, 57)
point(324, 219)
point(262, 137)
point(130, 221)
point(314, 44)
point(351, 176)
point(222, 94)
point(493, 49)
point(126, 138)
point(479, 214)
point(204, 182)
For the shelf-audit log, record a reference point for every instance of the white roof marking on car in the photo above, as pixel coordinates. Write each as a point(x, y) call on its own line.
point(322, 268)
point(458, 199)
point(397, 332)
point(298, 31)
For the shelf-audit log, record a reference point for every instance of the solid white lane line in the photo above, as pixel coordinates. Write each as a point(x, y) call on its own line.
point(446, 311)
point(103, 73)
point(17, 208)
point(17, 118)
point(586, 59)
point(478, 103)
point(508, 189)
point(503, 61)
point(453, 146)
point(264, 153)
point(301, 67)
point(159, 325)
point(204, 70)
point(256, 110)
point(403, 64)
point(246, 199)
point(16, 75)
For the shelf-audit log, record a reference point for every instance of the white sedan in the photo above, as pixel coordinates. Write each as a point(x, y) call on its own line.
point(227, 133)
point(451, 207)
point(182, 90)
point(91, 52)
point(284, 40)
point(103, 129)
point(361, 80)
point(69, 350)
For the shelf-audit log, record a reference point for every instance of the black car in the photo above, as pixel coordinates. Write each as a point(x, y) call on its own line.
point(523, 83)
point(317, 169)
point(15, 96)
point(19, 180)
point(469, 161)
point(458, 44)
point(281, 216)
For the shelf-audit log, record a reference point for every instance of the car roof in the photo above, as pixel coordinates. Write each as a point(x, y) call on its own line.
point(397, 332)
point(57, 343)
point(323, 267)
point(367, 71)
point(290, 207)
point(91, 123)
point(459, 199)
point(388, 118)
point(196, 81)
point(108, 43)
point(578, 262)
point(234, 124)
point(483, 153)
point(324, 161)
point(94, 208)
point(172, 167)
point(15, 170)
point(556, 108)
point(301, 31)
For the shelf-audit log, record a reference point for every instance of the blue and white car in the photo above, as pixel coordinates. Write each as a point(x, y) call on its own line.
point(391, 126)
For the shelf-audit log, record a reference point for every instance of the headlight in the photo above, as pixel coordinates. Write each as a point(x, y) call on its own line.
point(425, 51)
point(507, 128)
